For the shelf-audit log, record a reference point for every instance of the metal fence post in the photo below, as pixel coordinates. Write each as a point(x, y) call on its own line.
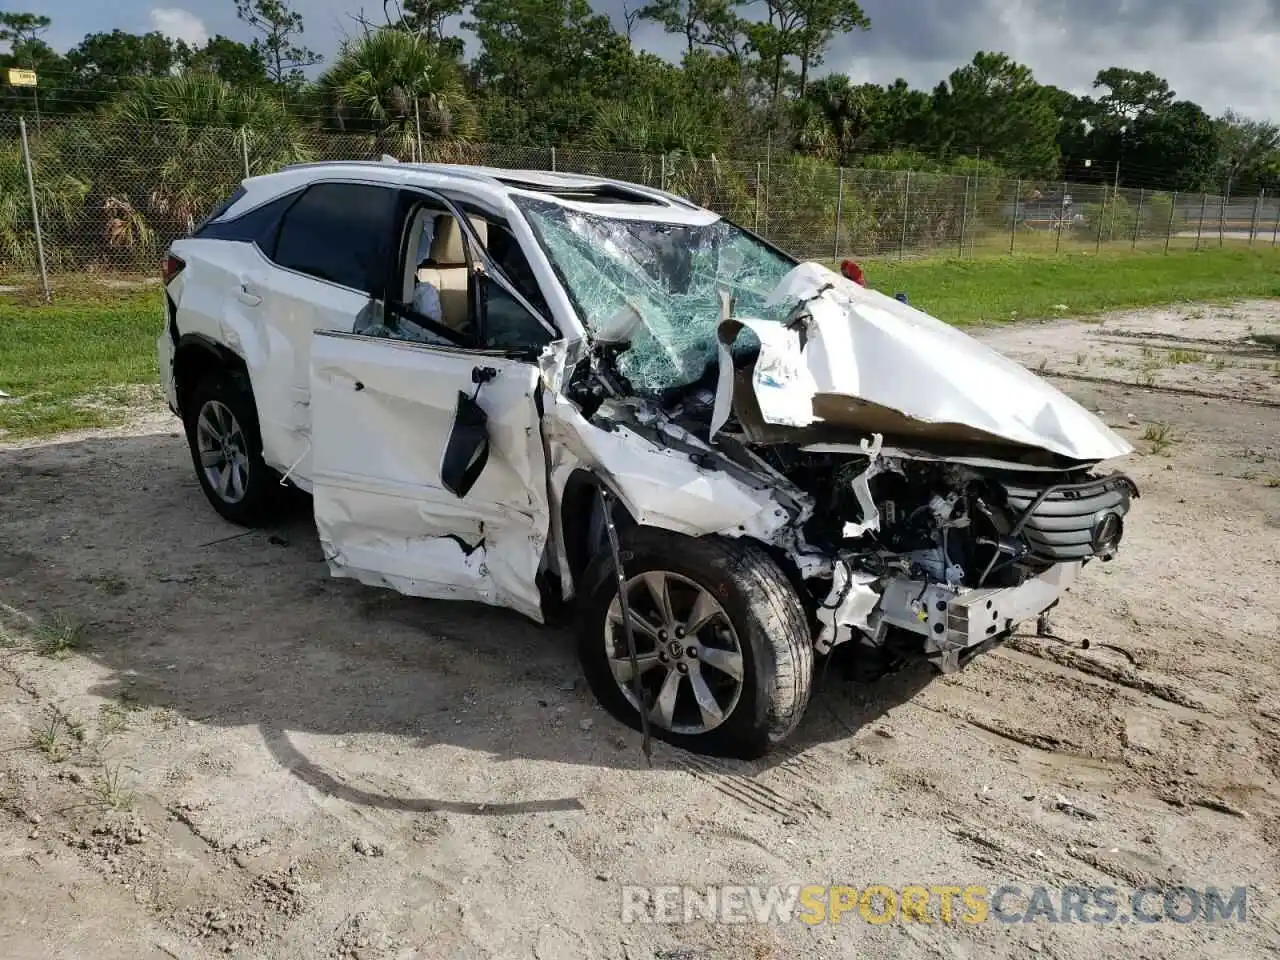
point(768, 193)
point(417, 129)
point(1102, 219)
point(1222, 215)
point(1257, 212)
point(1173, 212)
point(662, 182)
point(759, 181)
point(553, 159)
point(244, 151)
point(1204, 205)
point(1013, 221)
point(35, 209)
point(906, 210)
point(964, 215)
point(1137, 221)
point(1062, 218)
point(835, 248)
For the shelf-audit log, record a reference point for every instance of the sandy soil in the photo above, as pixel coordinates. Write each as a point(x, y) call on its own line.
point(239, 756)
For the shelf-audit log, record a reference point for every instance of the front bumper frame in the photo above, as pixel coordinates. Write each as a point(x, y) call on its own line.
point(957, 623)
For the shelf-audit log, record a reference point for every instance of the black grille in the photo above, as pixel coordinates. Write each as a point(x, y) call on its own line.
point(1058, 522)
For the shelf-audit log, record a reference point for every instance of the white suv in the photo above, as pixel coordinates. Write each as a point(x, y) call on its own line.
point(524, 388)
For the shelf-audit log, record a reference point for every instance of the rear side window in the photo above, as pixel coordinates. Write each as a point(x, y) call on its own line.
point(222, 208)
point(340, 232)
point(261, 225)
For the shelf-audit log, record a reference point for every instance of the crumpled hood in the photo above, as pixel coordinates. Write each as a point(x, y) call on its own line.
point(855, 357)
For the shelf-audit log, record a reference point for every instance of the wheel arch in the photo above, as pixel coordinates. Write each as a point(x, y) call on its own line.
point(579, 513)
point(195, 358)
point(579, 510)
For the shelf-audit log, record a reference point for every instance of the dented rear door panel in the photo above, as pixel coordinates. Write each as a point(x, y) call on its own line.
point(381, 416)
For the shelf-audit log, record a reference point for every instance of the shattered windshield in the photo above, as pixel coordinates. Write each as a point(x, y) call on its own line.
point(671, 274)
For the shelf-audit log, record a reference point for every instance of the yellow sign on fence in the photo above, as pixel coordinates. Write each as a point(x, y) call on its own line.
point(22, 78)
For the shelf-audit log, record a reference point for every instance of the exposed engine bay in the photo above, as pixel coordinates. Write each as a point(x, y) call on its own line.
point(918, 543)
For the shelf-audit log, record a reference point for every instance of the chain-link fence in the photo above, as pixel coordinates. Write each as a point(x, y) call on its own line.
point(112, 197)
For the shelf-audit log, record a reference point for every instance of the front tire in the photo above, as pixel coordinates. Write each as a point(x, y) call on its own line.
point(226, 450)
point(723, 645)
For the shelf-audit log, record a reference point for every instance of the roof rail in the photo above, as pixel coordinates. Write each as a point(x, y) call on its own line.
point(510, 178)
point(331, 163)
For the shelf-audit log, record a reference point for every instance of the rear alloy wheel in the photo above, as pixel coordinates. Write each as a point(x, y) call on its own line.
point(221, 446)
point(226, 450)
point(723, 647)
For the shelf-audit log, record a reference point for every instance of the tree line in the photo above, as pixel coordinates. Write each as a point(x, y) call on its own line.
point(749, 84)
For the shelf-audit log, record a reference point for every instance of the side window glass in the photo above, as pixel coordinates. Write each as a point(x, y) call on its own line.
point(340, 232)
point(220, 209)
point(507, 254)
point(506, 324)
point(261, 225)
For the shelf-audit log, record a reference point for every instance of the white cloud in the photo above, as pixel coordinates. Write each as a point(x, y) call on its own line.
point(180, 25)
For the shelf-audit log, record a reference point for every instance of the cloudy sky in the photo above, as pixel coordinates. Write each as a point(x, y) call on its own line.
point(1220, 53)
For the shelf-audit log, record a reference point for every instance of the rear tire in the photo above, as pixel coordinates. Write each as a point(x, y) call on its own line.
point(226, 450)
point(753, 625)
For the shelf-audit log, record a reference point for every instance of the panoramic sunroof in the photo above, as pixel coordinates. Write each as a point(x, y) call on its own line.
point(602, 193)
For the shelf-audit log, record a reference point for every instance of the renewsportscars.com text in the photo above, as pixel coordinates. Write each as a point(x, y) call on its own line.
point(938, 903)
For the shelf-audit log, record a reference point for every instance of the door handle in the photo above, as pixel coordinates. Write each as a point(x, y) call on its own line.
point(246, 295)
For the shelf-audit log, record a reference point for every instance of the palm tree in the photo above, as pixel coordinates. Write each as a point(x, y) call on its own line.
point(60, 193)
point(643, 125)
point(830, 118)
point(399, 87)
point(177, 145)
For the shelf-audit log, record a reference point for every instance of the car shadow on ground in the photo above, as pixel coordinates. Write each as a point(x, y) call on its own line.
point(235, 628)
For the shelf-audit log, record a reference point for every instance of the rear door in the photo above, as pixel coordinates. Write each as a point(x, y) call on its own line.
point(382, 408)
point(324, 269)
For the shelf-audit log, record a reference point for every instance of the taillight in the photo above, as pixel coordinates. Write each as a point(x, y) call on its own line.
point(171, 267)
point(853, 272)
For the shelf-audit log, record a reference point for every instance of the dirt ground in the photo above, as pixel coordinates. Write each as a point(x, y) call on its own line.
point(208, 747)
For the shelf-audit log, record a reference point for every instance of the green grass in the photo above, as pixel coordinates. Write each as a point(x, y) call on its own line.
point(999, 289)
point(56, 638)
point(70, 364)
point(1160, 436)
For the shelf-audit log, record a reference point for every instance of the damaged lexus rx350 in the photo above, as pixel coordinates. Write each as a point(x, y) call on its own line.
point(525, 389)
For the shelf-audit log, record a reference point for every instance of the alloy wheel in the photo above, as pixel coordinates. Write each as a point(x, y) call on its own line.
point(687, 652)
point(224, 457)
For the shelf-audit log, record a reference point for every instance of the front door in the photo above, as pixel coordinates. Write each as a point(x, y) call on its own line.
point(381, 413)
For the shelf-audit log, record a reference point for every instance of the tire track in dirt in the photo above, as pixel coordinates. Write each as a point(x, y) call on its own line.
point(749, 789)
point(1121, 676)
point(1242, 345)
point(1160, 388)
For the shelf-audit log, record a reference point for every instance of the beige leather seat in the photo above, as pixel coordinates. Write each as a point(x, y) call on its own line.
point(447, 271)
